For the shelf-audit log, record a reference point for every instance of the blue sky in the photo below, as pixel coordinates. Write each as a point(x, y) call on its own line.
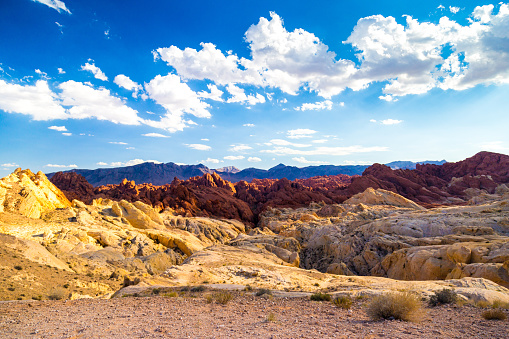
point(89, 84)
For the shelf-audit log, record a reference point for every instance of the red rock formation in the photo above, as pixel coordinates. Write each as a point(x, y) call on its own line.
point(74, 186)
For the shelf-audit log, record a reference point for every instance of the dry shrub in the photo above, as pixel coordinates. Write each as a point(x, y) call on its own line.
point(494, 314)
point(445, 296)
point(223, 297)
point(263, 291)
point(271, 317)
point(400, 306)
point(500, 304)
point(320, 297)
point(343, 301)
point(57, 293)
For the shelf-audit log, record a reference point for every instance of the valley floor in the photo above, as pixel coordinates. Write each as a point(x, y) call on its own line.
point(189, 315)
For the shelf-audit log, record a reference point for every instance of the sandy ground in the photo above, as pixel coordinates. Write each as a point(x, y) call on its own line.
point(189, 315)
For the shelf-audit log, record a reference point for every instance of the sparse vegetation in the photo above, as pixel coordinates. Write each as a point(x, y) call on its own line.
point(271, 317)
point(263, 291)
point(321, 297)
point(500, 304)
point(209, 299)
point(445, 296)
point(400, 306)
point(57, 293)
point(156, 291)
point(343, 302)
point(223, 297)
point(248, 288)
point(494, 314)
point(199, 288)
point(18, 267)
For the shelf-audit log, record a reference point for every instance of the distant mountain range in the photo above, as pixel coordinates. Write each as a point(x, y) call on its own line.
point(161, 174)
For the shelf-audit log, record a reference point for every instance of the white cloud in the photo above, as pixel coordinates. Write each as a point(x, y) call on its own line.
point(249, 125)
point(61, 166)
point(55, 4)
point(327, 104)
point(319, 141)
point(155, 135)
point(254, 159)
point(281, 142)
point(373, 120)
point(96, 71)
point(495, 146)
point(388, 98)
point(12, 164)
point(37, 101)
point(234, 157)
point(125, 82)
point(102, 163)
point(391, 122)
point(178, 99)
point(214, 94)
point(303, 160)
point(88, 102)
point(118, 143)
point(300, 133)
point(408, 58)
point(67, 134)
point(212, 161)
point(441, 7)
point(130, 147)
point(199, 147)
point(61, 70)
point(330, 151)
point(240, 148)
point(238, 95)
point(129, 163)
point(43, 75)
point(352, 162)
point(454, 10)
point(204, 139)
point(58, 128)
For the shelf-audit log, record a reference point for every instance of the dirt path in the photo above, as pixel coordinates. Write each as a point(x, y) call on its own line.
point(246, 316)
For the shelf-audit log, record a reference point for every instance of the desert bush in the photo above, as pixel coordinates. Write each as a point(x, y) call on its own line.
point(263, 291)
point(129, 282)
point(199, 288)
point(223, 297)
point(248, 288)
point(401, 306)
point(57, 293)
point(156, 291)
point(343, 302)
point(445, 296)
point(209, 299)
point(18, 267)
point(320, 297)
point(171, 295)
point(494, 314)
point(271, 317)
point(500, 304)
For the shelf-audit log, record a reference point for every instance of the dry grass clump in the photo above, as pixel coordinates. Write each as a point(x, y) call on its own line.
point(271, 317)
point(494, 314)
point(320, 297)
point(343, 301)
point(263, 291)
point(400, 306)
point(223, 297)
point(57, 293)
point(445, 296)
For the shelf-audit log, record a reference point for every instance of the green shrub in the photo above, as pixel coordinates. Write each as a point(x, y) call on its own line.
point(445, 296)
point(494, 314)
point(343, 302)
point(57, 293)
point(400, 306)
point(156, 291)
point(321, 297)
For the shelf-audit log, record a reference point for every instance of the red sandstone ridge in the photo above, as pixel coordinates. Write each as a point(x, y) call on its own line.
point(211, 196)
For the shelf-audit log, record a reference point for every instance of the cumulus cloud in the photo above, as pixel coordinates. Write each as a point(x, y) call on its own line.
point(155, 135)
point(61, 166)
point(12, 164)
point(118, 143)
point(67, 134)
point(303, 160)
point(58, 128)
point(238, 95)
point(331, 151)
point(213, 94)
point(317, 106)
point(254, 159)
point(199, 147)
point(178, 99)
point(125, 82)
point(88, 102)
point(248, 125)
point(37, 101)
point(240, 148)
point(96, 71)
point(391, 122)
point(319, 141)
point(234, 157)
point(100, 163)
point(211, 161)
point(61, 71)
point(55, 4)
point(388, 98)
point(410, 58)
point(300, 133)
